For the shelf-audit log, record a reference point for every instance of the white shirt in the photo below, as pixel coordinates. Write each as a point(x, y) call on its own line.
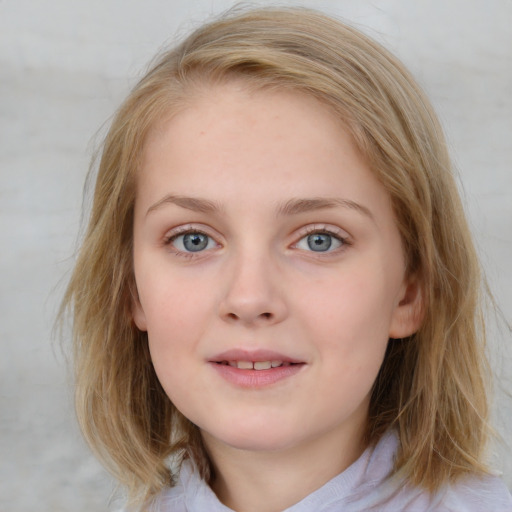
point(364, 486)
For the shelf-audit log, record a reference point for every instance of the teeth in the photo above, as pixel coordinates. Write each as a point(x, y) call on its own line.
point(244, 365)
point(262, 365)
point(257, 365)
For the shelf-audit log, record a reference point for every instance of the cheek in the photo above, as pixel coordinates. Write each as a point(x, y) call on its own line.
point(171, 341)
point(355, 302)
point(166, 322)
point(350, 318)
point(171, 303)
point(177, 314)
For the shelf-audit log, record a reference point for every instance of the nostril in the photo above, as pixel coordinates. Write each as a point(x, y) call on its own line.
point(234, 316)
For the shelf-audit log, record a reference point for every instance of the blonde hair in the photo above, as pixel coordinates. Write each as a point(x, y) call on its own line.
point(431, 387)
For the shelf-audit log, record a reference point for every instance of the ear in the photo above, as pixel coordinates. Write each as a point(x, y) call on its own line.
point(409, 311)
point(138, 315)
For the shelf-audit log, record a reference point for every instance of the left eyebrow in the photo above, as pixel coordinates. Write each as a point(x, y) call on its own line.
point(296, 206)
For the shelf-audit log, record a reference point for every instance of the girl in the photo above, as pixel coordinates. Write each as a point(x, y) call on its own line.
point(277, 301)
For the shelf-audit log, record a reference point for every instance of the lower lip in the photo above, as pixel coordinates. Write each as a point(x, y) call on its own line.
point(256, 378)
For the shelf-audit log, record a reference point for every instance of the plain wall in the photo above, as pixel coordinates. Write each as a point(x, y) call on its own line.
point(65, 66)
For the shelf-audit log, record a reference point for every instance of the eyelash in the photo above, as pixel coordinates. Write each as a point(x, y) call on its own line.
point(324, 230)
point(182, 231)
point(308, 231)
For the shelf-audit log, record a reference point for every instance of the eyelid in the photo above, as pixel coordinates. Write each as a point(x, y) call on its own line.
point(183, 229)
point(328, 229)
point(301, 233)
point(174, 233)
point(323, 228)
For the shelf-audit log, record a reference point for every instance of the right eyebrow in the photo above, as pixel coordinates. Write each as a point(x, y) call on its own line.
point(189, 203)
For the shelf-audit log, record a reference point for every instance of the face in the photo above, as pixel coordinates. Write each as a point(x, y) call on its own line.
point(269, 269)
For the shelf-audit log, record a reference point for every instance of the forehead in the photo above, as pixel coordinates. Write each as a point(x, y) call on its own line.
point(212, 101)
point(239, 138)
point(223, 111)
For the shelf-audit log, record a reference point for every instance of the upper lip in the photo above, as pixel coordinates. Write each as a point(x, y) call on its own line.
point(252, 355)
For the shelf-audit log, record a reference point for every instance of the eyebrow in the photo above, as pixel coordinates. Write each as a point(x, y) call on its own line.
point(190, 203)
point(296, 206)
point(291, 207)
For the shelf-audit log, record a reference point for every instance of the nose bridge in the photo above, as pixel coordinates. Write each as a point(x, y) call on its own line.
point(253, 294)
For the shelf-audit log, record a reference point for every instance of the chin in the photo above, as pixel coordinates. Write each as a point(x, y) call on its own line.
point(255, 438)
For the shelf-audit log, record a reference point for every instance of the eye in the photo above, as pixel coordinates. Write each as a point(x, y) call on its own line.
point(320, 241)
point(193, 241)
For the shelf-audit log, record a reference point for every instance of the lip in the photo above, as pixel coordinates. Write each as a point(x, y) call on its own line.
point(255, 379)
point(252, 355)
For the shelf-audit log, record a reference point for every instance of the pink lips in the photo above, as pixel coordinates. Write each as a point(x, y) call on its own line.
point(282, 367)
point(255, 355)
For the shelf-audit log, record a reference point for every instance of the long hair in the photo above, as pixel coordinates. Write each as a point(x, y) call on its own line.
point(431, 387)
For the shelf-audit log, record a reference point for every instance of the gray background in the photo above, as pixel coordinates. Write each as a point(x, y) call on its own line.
point(64, 67)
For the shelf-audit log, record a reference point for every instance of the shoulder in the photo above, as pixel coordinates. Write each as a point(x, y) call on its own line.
point(383, 491)
point(190, 494)
point(472, 494)
point(482, 493)
point(485, 493)
point(170, 499)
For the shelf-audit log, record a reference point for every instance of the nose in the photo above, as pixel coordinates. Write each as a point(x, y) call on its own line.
point(254, 292)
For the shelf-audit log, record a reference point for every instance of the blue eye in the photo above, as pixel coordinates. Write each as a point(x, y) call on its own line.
point(193, 241)
point(320, 242)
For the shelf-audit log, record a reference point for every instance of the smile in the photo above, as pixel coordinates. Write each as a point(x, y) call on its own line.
point(255, 369)
point(256, 365)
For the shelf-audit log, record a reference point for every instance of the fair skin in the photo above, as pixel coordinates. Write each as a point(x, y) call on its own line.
point(270, 276)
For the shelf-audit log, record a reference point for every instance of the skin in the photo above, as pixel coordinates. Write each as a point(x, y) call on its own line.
point(249, 160)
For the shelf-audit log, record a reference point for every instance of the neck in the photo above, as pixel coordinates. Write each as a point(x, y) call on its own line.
point(271, 481)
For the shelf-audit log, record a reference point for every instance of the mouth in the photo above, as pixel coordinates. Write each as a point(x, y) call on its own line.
point(254, 359)
point(255, 369)
point(256, 365)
